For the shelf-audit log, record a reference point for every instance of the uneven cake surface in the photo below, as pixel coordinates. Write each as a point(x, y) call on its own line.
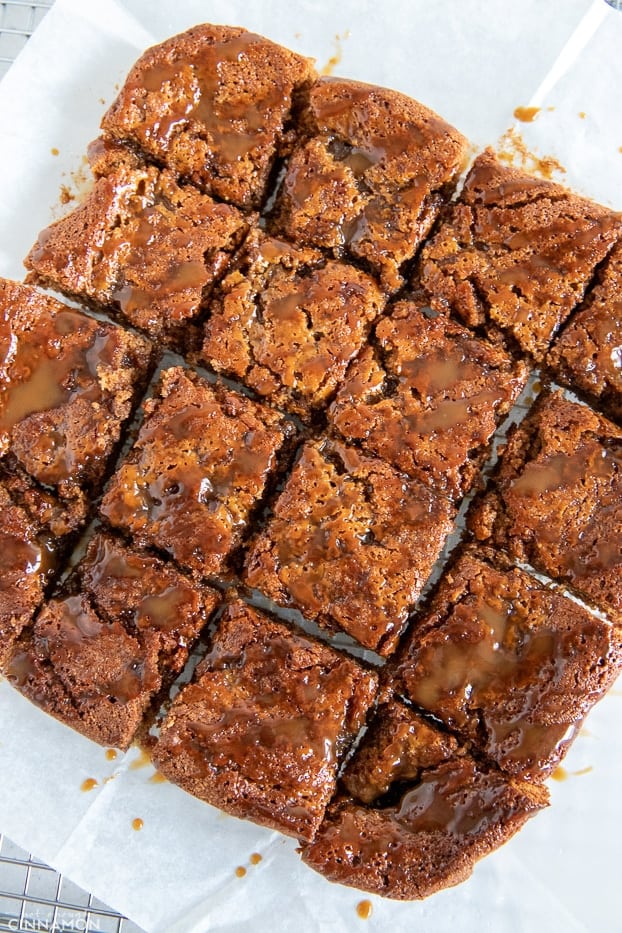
point(213, 104)
point(507, 663)
point(261, 730)
point(35, 530)
point(287, 321)
point(557, 499)
point(141, 246)
point(588, 354)
point(67, 383)
point(427, 395)
point(369, 175)
point(449, 812)
point(516, 252)
point(198, 468)
point(351, 543)
point(101, 651)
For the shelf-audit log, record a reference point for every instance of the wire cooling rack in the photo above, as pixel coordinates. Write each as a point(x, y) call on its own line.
point(34, 897)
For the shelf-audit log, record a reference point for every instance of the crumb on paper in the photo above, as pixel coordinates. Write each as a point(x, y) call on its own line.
point(54, 151)
point(66, 195)
point(102, 101)
point(526, 114)
point(297, 35)
point(334, 60)
point(511, 149)
point(582, 114)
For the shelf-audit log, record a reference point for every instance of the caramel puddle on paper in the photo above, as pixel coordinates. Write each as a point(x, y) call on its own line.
point(157, 778)
point(137, 824)
point(334, 60)
point(526, 114)
point(364, 909)
point(560, 774)
point(142, 761)
point(88, 784)
point(512, 150)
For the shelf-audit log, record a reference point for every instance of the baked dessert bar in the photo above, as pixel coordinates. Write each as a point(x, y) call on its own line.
point(556, 502)
point(286, 322)
point(443, 811)
point(263, 727)
point(197, 471)
point(67, 384)
point(101, 651)
point(510, 665)
point(35, 533)
point(368, 176)
point(587, 356)
point(351, 543)
point(426, 394)
point(140, 247)
point(515, 252)
point(215, 105)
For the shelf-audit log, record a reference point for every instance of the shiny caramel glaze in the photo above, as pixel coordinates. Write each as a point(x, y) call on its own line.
point(143, 246)
point(397, 747)
point(517, 252)
point(286, 322)
point(212, 104)
point(97, 658)
point(430, 839)
point(557, 499)
point(427, 395)
point(199, 466)
point(263, 726)
point(588, 354)
point(67, 383)
point(351, 543)
point(510, 665)
point(369, 176)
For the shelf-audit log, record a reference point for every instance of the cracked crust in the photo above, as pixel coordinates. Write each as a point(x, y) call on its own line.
point(287, 322)
point(369, 176)
point(96, 659)
point(508, 664)
point(214, 105)
point(557, 499)
point(587, 356)
point(67, 384)
point(516, 252)
point(142, 248)
point(261, 730)
point(427, 395)
point(457, 813)
point(351, 543)
point(200, 466)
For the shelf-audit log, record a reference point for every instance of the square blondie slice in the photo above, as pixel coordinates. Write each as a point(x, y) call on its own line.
point(67, 384)
point(263, 727)
point(556, 500)
point(287, 321)
point(35, 533)
point(516, 252)
point(351, 543)
point(427, 395)
point(197, 471)
point(509, 664)
point(421, 814)
point(102, 651)
point(587, 356)
point(142, 248)
point(215, 105)
point(368, 177)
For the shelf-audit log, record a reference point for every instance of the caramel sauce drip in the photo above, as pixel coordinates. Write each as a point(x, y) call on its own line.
point(88, 784)
point(526, 114)
point(235, 125)
point(364, 909)
point(137, 824)
point(240, 871)
point(255, 858)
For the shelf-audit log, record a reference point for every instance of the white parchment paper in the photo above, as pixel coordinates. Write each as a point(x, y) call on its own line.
point(474, 61)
